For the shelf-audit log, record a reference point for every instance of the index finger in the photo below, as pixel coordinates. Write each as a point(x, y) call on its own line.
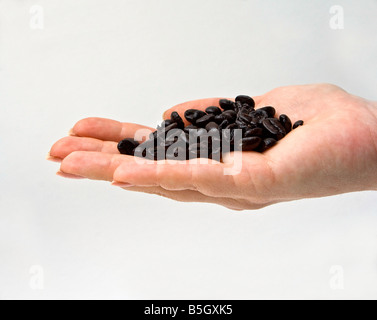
point(106, 129)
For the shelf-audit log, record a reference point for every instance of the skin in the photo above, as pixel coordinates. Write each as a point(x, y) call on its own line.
point(334, 152)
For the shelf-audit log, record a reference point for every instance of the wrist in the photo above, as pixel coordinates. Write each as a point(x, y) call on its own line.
point(372, 106)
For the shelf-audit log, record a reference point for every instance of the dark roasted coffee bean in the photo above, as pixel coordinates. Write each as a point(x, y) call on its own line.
point(266, 144)
point(250, 143)
point(230, 115)
point(245, 126)
point(203, 121)
point(286, 122)
point(175, 117)
point(246, 100)
point(226, 104)
point(212, 125)
point(274, 127)
point(298, 124)
point(238, 106)
point(270, 111)
point(192, 115)
point(214, 110)
point(245, 118)
point(245, 111)
point(256, 132)
point(258, 116)
point(127, 146)
point(219, 118)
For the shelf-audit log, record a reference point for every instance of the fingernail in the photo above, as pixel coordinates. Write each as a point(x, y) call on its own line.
point(71, 133)
point(69, 176)
point(122, 184)
point(49, 157)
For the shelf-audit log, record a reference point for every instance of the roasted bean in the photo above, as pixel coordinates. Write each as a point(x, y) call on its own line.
point(246, 100)
point(214, 110)
point(127, 146)
point(270, 111)
point(226, 104)
point(275, 128)
point(203, 121)
point(250, 143)
point(298, 124)
point(286, 122)
point(192, 115)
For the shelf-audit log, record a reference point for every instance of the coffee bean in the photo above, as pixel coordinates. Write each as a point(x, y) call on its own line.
point(275, 128)
point(245, 118)
point(230, 115)
point(256, 132)
point(246, 100)
point(219, 119)
point(286, 122)
point(250, 143)
point(270, 111)
point(226, 104)
point(203, 121)
point(127, 146)
point(258, 116)
point(175, 117)
point(214, 110)
point(192, 115)
point(298, 124)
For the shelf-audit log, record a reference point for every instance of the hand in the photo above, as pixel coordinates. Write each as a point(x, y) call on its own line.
point(334, 152)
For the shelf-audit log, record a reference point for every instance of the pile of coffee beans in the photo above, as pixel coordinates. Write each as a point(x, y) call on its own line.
point(234, 126)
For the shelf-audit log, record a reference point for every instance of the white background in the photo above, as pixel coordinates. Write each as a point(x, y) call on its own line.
point(130, 60)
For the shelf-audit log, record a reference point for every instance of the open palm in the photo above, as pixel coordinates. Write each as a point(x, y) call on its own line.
point(335, 152)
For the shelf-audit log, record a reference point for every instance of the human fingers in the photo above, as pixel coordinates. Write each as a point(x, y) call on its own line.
point(207, 178)
point(106, 129)
point(195, 196)
point(93, 165)
point(67, 145)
